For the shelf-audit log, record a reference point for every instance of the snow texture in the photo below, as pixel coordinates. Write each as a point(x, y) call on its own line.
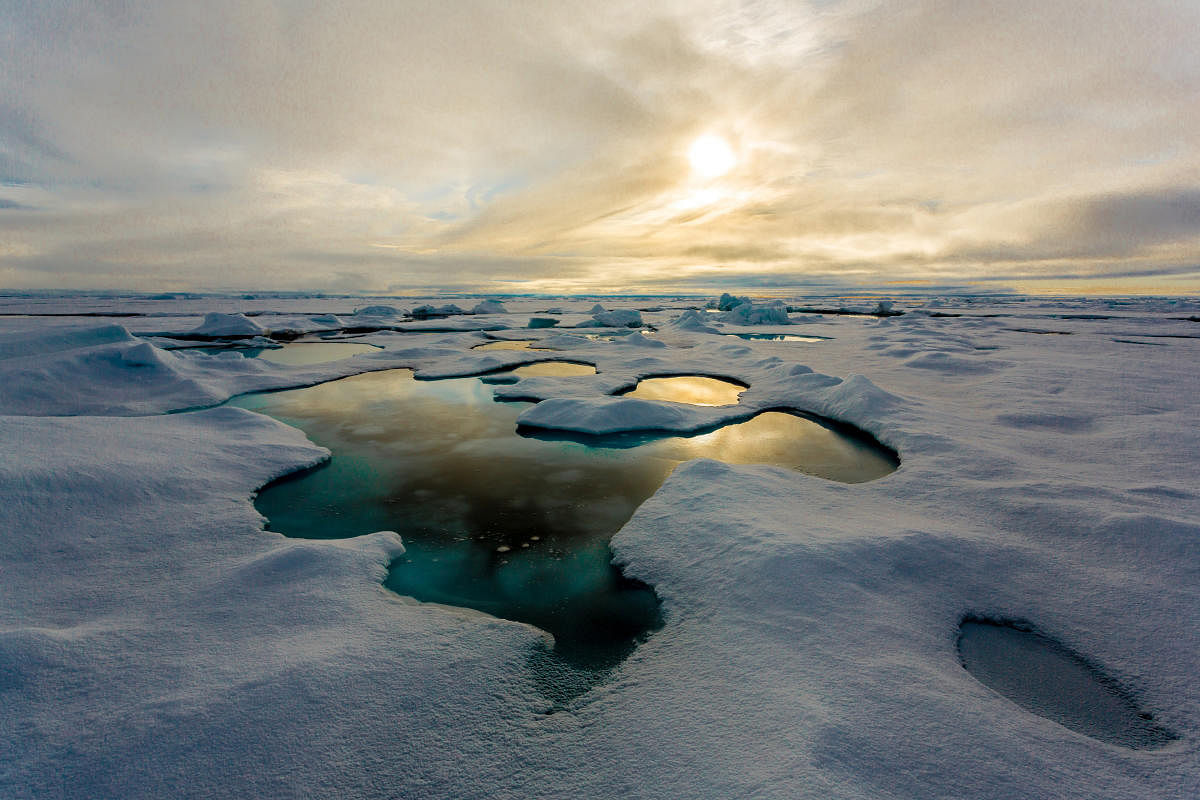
point(616, 318)
point(750, 313)
point(217, 325)
point(489, 307)
point(156, 641)
point(379, 312)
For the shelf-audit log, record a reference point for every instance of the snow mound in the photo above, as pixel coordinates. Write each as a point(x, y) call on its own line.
point(23, 343)
point(297, 559)
point(855, 399)
point(383, 312)
point(603, 415)
point(639, 339)
point(429, 311)
point(327, 321)
point(617, 318)
point(728, 302)
point(749, 313)
point(217, 324)
point(691, 320)
point(100, 371)
point(489, 307)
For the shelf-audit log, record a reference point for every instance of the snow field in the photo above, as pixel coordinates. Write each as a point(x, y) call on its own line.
point(156, 641)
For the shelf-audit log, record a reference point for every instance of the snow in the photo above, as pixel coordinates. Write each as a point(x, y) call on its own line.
point(750, 313)
point(379, 311)
point(156, 641)
point(616, 318)
point(327, 321)
point(217, 324)
point(445, 310)
point(692, 320)
point(489, 307)
point(727, 302)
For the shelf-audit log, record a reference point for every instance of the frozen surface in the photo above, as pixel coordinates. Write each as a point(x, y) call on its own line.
point(155, 641)
point(216, 325)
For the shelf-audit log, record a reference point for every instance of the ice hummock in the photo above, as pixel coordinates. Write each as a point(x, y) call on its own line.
point(218, 325)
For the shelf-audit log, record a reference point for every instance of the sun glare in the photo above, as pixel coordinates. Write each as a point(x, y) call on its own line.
point(711, 156)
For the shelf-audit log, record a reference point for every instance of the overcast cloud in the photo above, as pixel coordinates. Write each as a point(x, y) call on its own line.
point(374, 146)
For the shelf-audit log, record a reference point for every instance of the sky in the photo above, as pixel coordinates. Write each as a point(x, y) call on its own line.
point(511, 147)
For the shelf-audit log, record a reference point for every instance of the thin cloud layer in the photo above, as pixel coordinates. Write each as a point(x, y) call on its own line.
point(384, 146)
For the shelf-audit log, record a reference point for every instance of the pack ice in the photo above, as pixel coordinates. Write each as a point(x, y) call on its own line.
point(156, 641)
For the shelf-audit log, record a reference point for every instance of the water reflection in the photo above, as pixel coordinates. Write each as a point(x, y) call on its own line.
point(295, 354)
point(512, 525)
point(302, 354)
point(696, 390)
point(557, 369)
point(508, 344)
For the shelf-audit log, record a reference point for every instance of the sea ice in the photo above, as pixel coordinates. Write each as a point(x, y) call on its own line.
point(156, 641)
point(217, 325)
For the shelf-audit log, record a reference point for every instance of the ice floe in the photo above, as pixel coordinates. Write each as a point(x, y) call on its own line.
point(156, 641)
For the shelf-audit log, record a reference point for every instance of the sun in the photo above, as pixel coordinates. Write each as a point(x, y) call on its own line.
point(711, 156)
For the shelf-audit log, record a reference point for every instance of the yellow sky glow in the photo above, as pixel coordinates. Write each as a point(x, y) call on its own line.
point(386, 145)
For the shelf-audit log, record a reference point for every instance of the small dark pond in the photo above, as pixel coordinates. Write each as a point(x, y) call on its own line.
point(1046, 678)
point(516, 526)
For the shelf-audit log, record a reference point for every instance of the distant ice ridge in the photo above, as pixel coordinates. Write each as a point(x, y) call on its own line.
point(489, 307)
point(744, 311)
point(772, 313)
point(616, 318)
point(426, 311)
point(217, 325)
point(379, 312)
point(692, 320)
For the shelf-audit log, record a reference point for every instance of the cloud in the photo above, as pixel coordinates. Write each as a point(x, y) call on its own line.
point(264, 143)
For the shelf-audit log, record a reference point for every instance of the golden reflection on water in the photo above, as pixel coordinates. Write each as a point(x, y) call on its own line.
point(553, 369)
point(513, 525)
point(508, 344)
point(301, 354)
point(695, 390)
point(785, 440)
